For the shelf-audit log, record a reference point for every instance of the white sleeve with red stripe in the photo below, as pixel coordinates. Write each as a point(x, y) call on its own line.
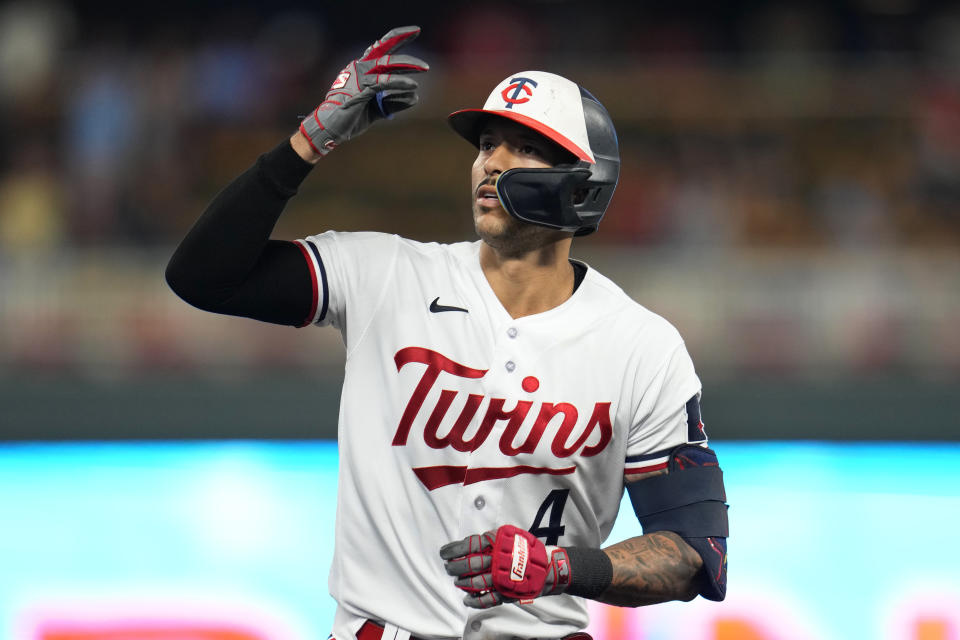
point(646, 463)
point(318, 279)
point(348, 273)
point(668, 415)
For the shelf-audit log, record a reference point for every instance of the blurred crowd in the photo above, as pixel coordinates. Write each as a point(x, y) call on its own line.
point(789, 195)
point(749, 124)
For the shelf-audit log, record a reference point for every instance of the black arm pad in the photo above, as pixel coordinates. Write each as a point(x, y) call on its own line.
point(713, 551)
point(690, 501)
point(698, 520)
point(677, 488)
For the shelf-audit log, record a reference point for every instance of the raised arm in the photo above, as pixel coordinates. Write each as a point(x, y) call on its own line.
point(227, 263)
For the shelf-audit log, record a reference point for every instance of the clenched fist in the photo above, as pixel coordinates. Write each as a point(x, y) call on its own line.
point(505, 565)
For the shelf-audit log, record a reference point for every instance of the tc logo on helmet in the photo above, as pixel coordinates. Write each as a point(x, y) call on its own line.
point(511, 94)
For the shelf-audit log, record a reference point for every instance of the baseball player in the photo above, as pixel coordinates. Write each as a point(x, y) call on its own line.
point(498, 395)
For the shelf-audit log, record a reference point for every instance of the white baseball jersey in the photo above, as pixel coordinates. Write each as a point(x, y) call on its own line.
point(456, 418)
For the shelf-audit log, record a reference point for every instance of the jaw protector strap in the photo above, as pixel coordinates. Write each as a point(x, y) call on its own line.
point(690, 501)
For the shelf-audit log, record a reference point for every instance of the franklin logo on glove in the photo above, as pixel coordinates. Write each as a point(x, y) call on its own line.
point(507, 565)
point(520, 554)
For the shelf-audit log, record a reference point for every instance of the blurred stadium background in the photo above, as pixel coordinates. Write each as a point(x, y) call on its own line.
point(789, 199)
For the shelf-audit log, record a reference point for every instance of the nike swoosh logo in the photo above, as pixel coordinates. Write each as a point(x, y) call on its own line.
point(439, 308)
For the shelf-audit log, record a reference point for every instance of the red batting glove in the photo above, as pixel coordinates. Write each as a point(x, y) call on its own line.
point(505, 565)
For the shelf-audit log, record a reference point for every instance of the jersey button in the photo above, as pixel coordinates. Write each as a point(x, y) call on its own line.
point(479, 503)
point(512, 332)
point(475, 625)
point(510, 366)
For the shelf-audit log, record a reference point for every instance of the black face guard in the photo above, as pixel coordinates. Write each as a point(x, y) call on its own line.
point(543, 197)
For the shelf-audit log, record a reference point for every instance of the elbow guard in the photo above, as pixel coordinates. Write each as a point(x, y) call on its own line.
point(689, 500)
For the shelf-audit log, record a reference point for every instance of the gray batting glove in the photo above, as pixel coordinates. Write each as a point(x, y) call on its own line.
point(368, 89)
point(505, 565)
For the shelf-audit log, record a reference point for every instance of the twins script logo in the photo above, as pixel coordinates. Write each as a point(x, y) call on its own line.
point(570, 427)
point(511, 94)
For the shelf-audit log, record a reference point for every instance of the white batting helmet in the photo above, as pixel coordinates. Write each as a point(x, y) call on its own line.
point(570, 197)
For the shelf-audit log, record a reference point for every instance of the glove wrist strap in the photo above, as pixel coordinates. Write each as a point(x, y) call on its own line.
point(320, 141)
point(591, 572)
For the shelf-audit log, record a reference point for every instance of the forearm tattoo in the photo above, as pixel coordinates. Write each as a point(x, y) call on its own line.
point(652, 568)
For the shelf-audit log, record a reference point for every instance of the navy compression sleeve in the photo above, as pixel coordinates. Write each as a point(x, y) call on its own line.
point(227, 263)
